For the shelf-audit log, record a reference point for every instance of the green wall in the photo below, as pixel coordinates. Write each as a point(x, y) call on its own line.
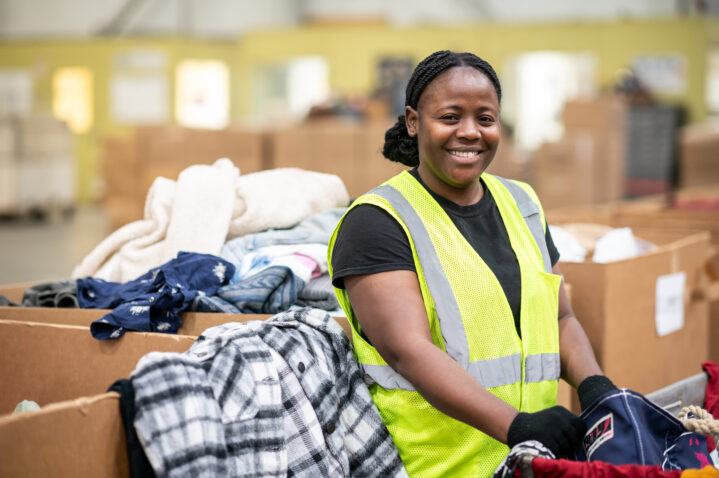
point(352, 51)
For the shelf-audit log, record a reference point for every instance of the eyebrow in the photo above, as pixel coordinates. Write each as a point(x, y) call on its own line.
point(457, 107)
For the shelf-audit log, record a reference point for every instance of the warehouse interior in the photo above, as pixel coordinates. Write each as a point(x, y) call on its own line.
point(609, 111)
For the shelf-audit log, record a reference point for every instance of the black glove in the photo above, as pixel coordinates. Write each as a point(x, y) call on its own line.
point(556, 428)
point(592, 388)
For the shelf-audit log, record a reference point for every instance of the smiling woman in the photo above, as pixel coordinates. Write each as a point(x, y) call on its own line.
point(448, 276)
point(458, 132)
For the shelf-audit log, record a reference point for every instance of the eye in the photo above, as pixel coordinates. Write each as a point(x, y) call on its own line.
point(449, 117)
point(486, 119)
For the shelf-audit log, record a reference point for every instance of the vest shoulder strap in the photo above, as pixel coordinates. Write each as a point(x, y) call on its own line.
point(530, 212)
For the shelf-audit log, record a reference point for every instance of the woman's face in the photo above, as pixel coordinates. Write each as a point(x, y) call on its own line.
point(457, 129)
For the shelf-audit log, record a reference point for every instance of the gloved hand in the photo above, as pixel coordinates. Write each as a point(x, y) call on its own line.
point(556, 428)
point(592, 388)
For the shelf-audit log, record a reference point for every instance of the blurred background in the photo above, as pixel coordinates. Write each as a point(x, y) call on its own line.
point(603, 101)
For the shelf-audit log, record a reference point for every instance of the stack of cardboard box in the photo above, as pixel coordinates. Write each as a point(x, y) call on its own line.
point(699, 156)
point(512, 162)
point(131, 164)
point(349, 149)
point(587, 165)
point(37, 166)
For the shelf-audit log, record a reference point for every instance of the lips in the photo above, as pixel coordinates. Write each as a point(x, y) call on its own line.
point(464, 154)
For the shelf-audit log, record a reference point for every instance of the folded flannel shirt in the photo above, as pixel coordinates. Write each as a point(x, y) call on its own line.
point(283, 397)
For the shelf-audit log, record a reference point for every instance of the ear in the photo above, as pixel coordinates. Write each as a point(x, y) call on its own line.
point(411, 118)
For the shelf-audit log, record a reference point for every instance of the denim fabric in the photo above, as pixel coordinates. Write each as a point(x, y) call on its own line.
point(270, 291)
point(315, 229)
point(203, 303)
point(153, 301)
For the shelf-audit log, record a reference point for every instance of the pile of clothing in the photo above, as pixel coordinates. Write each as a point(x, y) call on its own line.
point(212, 241)
point(280, 397)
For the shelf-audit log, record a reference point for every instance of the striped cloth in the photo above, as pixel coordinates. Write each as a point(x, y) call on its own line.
point(269, 291)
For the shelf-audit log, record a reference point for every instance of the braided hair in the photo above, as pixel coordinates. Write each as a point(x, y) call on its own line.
point(399, 146)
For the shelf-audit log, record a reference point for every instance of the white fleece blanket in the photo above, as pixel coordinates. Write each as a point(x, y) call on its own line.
point(207, 206)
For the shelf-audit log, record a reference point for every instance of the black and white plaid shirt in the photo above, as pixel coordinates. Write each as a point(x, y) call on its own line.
point(283, 397)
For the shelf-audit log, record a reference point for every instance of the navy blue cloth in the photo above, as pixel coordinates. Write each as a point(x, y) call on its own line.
point(153, 301)
point(626, 428)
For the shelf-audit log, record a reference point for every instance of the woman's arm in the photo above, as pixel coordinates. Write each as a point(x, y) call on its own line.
point(391, 313)
point(576, 354)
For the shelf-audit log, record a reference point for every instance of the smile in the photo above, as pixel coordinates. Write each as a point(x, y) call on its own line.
point(463, 154)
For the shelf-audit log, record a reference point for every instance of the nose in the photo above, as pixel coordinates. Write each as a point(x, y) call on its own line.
point(469, 129)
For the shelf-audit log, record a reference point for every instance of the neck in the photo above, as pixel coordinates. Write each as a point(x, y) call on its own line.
point(462, 195)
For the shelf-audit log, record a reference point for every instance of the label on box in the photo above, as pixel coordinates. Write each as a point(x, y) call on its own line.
point(669, 305)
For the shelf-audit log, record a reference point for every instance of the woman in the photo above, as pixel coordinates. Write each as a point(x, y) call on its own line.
point(460, 320)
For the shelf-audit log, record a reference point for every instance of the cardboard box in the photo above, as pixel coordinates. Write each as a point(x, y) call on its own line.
point(323, 145)
point(81, 364)
point(371, 167)
point(122, 210)
point(605, 121)
point(616, 305)
point(49, 363)
point(656, 212)
point(349, 149)
point(699, 156)
point(565, 172)
point(82, 437)
point(169, 153)
point(131, 164)
point(513, 163)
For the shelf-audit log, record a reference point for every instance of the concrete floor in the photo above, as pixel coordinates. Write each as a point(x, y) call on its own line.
point(49, 249)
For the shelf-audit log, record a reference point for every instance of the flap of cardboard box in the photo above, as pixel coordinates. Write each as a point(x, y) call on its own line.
point(82, 437)
point(48, 363)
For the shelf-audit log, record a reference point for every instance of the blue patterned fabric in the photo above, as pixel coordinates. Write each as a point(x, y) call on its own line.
point(213, 304)
point(270, 291)
point(153, 301)
point(626, 428)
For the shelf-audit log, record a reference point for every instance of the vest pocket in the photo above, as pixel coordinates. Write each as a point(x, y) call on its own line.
point(547, 298)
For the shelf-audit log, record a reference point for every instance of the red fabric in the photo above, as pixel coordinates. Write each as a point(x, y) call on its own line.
point(711, 444)
point(711, 399)
point(545, 468)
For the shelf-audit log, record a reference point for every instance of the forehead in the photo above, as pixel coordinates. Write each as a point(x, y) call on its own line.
point(460, 83)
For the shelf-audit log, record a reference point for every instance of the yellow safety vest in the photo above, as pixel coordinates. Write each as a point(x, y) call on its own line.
point(471, 320)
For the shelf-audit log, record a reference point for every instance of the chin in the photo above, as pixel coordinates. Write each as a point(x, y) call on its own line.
point(468, 174)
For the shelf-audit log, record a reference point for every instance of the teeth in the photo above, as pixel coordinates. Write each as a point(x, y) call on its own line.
point(463, 154)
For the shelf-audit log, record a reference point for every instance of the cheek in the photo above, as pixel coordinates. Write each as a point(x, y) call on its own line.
point(492, 135)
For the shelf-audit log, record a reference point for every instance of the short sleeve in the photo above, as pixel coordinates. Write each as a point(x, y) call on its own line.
point(551, 248)
point(369, 241)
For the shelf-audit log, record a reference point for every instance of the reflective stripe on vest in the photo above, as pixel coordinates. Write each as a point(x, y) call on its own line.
point(530, 213)
point(490, 372)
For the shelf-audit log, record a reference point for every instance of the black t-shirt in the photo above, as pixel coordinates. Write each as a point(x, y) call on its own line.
point(371, 241)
